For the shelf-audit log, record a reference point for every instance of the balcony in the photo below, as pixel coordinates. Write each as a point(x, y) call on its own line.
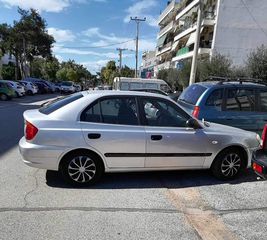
point(182, 12)
point(182, 51)
point(165, 65)
point(166, 29)
point(164, 48)
point(167, 10)
point(188, 54)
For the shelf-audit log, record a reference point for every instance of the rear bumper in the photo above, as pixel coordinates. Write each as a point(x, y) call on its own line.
point(259, 161)
point(39, 156)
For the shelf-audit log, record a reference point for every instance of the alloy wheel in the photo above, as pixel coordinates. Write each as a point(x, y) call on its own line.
point(231, 165)
point(82, 169)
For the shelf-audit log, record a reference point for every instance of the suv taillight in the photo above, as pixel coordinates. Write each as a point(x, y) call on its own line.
point(30, 130)
point(264, 138)
point(196, 111)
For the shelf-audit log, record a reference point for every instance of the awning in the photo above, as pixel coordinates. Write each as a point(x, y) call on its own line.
point(161, 40)
point(192, 37)
point(174, 45)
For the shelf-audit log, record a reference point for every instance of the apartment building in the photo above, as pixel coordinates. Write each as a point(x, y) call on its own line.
point(230, 27)
point(149, 61)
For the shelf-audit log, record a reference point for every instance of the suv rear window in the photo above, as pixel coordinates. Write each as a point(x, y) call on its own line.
point(192, 94)
point(59, 103)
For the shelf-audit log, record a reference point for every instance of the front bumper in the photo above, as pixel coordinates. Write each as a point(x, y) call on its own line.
point(259, 163)
point(39, 156)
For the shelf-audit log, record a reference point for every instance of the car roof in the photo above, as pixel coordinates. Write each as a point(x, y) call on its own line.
point(209, 84)
point(103, 93)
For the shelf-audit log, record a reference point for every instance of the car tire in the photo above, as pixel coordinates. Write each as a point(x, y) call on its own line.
point(29, 92)
point(3, 97)
point(17, 94)
point(228, 164)
point(81, 168)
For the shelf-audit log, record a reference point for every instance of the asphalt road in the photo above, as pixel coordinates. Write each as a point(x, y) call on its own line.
point(36, 204)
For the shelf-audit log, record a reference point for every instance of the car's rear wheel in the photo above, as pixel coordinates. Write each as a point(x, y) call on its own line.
point(29, 92)
point(81, 168)
point(228, 164)
point(3, 97)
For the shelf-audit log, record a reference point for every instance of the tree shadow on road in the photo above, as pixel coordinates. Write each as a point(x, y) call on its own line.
point(161, 179)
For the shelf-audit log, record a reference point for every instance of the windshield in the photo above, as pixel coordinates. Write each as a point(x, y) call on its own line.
point(68, 84)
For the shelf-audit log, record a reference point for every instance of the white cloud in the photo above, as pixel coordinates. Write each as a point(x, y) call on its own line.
point(142, 9)
point(61, 35)
point(105, 40)
point(59, 58)
point(45, 5)
point(95, 66)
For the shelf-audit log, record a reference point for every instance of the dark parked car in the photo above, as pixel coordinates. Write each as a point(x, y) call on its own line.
point(241, 104)
point(42, 88)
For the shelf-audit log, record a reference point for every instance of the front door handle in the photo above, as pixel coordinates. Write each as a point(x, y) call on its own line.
point(94, 135)
point(156, 137)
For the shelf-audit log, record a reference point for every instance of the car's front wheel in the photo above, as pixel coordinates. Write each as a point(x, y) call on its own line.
point(81, 168)
point(3, 97)
point(228, 164)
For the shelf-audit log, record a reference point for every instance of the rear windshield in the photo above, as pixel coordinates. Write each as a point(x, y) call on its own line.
point(59, 103)
point(192, 94)
point(66, 84)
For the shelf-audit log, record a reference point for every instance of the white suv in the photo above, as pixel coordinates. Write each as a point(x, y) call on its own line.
point(17, 87)
point(30, 87)
point(67, 87)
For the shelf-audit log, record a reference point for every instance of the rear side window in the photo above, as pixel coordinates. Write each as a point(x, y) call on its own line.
point(240, 100)
point(112, 111)
point(192, 94)
point(263, 100)
point(59, 103)
point(215, 99)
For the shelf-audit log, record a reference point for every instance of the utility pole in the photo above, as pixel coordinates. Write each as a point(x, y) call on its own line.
point(196, 46)
point(120, 56)
point(137, 20)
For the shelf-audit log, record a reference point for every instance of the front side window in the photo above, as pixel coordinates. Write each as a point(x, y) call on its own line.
point(215, 99)
point(163, 114)
point(121, 110)
point(240, 100)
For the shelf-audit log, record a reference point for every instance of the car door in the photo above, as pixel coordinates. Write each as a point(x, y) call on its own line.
point(240, 109)
point(169, 142)
point(111, 126)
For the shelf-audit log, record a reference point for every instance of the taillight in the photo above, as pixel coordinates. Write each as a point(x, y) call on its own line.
point(30, 131)
point(264, 137)
point(196, 111)
point(257, 168)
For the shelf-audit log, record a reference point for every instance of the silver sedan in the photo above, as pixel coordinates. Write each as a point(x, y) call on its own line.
point(86, 134)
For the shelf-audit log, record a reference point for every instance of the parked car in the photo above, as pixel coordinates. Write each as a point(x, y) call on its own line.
point(42, 88)
point(68, 87)
point(126, 84)
point(110, 131)
point(57, 86)
point(17, 87)
point(241, 104)
point(50, 85)
point(30, 87)
point(172, 96)
point(6, 92)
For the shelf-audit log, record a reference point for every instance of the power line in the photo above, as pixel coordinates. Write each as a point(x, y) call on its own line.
point(253, 18)
point(103, 46)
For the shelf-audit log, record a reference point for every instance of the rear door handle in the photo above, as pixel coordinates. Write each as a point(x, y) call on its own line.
point(94, 135)
point(156, 137)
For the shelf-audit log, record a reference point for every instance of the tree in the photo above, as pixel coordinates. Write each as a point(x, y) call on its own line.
point(8, 71)
point(62, 74)
point(219, 66)
point(257, 63)
point(109, 72)
point(127, 72)
point(72, 75)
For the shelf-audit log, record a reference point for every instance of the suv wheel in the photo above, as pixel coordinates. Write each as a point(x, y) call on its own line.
point(3, 97)
point(228, 164)
point(81, 169)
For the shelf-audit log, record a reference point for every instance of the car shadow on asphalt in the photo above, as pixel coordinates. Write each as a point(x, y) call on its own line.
point(159, 179)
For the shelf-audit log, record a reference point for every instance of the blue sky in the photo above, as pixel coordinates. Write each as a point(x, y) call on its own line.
point(79, 24)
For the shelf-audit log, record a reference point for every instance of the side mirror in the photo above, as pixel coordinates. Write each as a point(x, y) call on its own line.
point(193, 123)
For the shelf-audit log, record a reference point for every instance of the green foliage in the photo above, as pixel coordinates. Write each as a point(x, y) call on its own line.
point(257, 63)
point(8, 71)
point(127, 72)
point(163, 74)
point(219, 65)
point(62, 74)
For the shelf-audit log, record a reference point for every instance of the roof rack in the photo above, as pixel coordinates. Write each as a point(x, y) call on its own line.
point(241, 80)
